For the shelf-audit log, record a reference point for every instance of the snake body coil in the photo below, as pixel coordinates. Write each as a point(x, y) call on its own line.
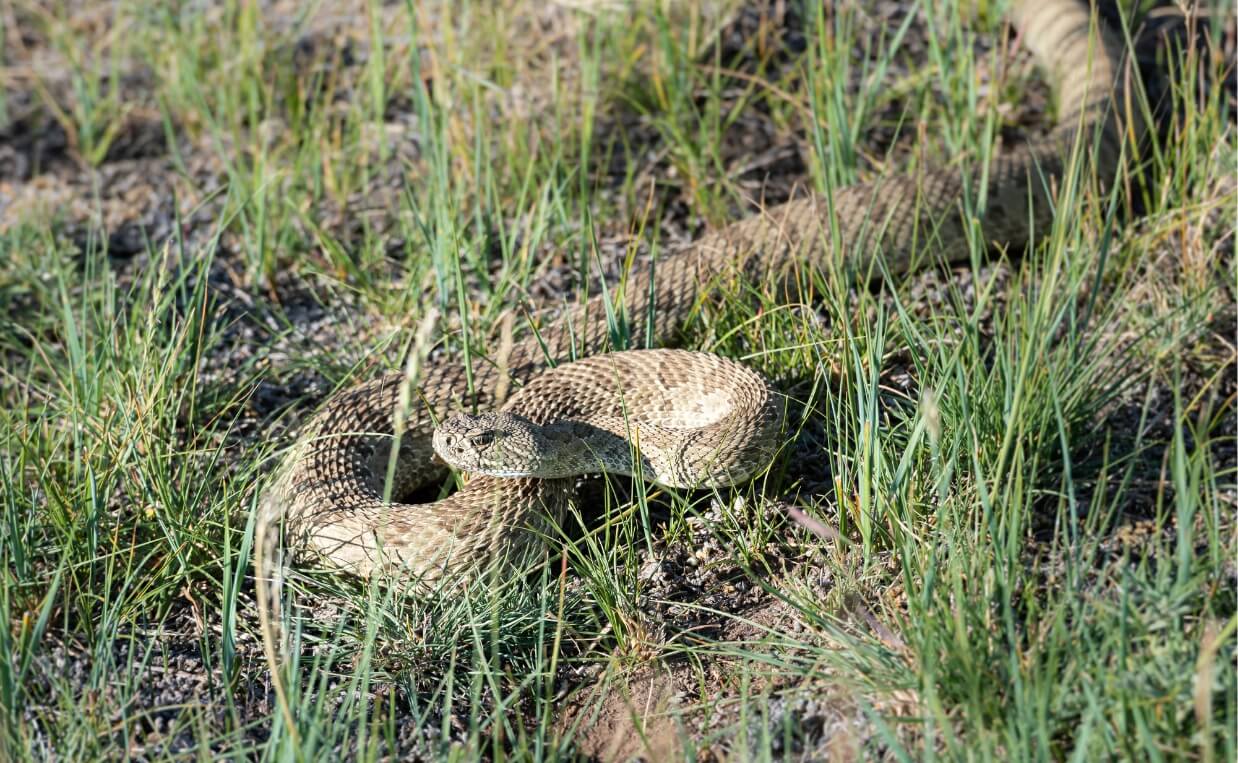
point(676, 418)
point(331, 489)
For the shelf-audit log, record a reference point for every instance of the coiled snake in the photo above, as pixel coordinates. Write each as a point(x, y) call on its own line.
point(331, 488)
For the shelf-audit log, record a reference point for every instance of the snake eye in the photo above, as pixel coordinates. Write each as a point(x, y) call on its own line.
point(484, 439)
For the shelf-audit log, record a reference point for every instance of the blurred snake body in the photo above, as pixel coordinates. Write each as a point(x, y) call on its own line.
point(338, 497)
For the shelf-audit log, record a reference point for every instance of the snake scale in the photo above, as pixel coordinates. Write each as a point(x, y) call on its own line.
point(330, 489)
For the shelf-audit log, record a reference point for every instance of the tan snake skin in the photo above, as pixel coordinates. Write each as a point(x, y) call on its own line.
point(330, 488)
point(672, 417)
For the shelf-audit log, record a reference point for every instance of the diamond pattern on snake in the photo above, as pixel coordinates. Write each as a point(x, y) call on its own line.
point(704, 412)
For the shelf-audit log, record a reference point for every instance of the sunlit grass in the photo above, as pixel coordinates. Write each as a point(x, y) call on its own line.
point(1014, 486)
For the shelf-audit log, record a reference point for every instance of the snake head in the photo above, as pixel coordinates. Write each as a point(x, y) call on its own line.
point(494, 444)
